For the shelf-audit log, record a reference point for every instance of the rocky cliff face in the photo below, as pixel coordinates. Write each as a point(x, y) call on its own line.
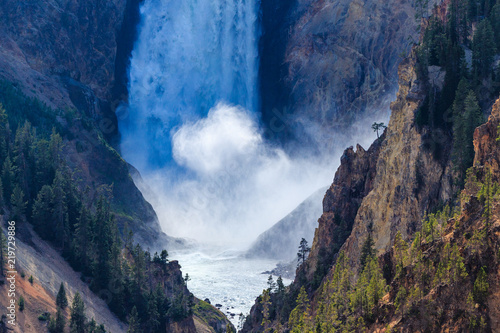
point(47, 44)
point(385, 189)
point(353, 181)
point(410, 177)
point(72, 56)
point(330, 61)
point(486, 144)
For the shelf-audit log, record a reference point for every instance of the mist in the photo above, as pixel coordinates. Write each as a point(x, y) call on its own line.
point(193, 130)
point(235, 185)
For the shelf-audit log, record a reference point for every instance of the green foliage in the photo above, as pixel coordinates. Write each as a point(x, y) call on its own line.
point(21, 303)
point(400, 300)
point(486, 195)
point(367, 251)
point(304, 250)
point(18, 204)
point(455, 264)
point(3, 252)
point(483, 49)
point(266, 303)
point(495, 23)
point(78, 320)
point(37, 185)
point(344, 306)
point(44, 316)
point(477, 240)
point(61, 299)
point(466, 117)
point(271, 284)
point(400, 253)
point(481, 286)
point(58, 324)
point(299, 318)
point(133, 321)
point(378, 127)
point(21, 109)
point(92, 327)
point(280, 286)
point(369, 288)
point(30, 279)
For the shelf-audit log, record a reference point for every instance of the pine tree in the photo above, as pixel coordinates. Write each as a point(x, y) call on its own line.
point(57, 325)
point(367, 251)
point(92, 327)
point(62, 300)
point(60, 321)
point(60, 209)
point(467, 116)
point(133, 321)
point(82, 240)
point(7, 179)
point(153, 315)
point(472, 118)
point(455, 264)
point(481, 287)
point(42, 213)
point(18, 203)
point(400, 300)
point(280, 286)
point(459, 124)
point(299, 316)
point(266, 303)
point(304, 249)
point(483, 49)
point(376, 287)
point(187, 278)
point(21, 303)
point(78, 319)
point(3, 251)
point(4, 133)
point(24, 158)
point(104, 238)
point(495, 22)
point(271, 284)
point(400, 252)
point(486, 194)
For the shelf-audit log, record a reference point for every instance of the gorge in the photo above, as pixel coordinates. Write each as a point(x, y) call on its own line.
point(218, 161)
point(161, 157)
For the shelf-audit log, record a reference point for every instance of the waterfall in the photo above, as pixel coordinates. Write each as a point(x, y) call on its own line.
point(192, 126)
point(190, 55)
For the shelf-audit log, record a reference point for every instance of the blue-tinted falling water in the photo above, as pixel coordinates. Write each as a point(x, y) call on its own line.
point(190, 55)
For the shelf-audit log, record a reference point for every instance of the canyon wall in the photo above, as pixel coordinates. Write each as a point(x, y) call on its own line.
point(73, 57)
point(328, 62)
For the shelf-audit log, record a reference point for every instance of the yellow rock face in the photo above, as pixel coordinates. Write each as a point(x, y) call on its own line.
point(409, 177)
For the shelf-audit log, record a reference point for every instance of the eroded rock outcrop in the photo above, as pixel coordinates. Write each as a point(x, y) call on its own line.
point(409, 179)
point(486, 144)
point(353, 181)
point(327, 61)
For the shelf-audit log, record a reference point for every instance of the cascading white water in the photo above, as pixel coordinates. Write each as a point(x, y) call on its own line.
point(190, 55)
point(193, 128)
